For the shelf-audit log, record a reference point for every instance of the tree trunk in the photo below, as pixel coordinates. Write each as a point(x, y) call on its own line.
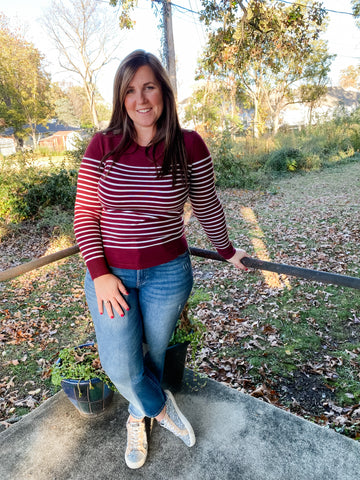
point(256, 117)
point(90, 93)
point(276, 122)
point(311, 108)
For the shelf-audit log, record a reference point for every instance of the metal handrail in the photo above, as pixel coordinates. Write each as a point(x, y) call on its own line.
point(13, 272)
point(315, 275)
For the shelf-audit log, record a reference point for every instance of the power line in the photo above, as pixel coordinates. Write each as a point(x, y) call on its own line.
point(185, 15)
point(198, 23)
point(281, 1)
point(184, 8)
point(188, 15)
point(326, 9)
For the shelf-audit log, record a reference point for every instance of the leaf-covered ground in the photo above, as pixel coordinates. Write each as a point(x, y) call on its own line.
point(290, 342)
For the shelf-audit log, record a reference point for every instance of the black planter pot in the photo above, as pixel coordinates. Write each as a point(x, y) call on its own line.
point(92, 399)
point(89, 398)
point(175, 365)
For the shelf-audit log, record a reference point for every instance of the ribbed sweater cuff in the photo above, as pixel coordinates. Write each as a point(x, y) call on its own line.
point(97, 268)
point(228, 252)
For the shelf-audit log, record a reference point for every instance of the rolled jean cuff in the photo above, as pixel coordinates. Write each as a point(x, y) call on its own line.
point(135, 413)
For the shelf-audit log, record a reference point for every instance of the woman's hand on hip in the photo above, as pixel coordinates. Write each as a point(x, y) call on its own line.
point(236, 259)
point(110, 293)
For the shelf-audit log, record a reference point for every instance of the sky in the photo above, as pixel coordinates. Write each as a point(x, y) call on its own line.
point(189, 37)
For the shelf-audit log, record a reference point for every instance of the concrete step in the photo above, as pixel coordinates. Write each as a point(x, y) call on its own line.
point(238, 438)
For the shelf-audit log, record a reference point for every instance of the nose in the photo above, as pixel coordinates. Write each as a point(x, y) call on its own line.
point(141, 98)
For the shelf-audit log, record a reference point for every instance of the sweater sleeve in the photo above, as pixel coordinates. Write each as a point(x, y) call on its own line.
point(88, 210)
point(205, 202)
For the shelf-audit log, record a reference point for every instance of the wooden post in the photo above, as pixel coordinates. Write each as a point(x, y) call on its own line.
point(169, 49)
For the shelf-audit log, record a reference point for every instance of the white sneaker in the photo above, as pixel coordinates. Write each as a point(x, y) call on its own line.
point(137, 446)
point(176, 422)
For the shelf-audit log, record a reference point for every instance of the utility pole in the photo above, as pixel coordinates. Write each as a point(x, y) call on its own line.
point(168, 43)
point(168, 49)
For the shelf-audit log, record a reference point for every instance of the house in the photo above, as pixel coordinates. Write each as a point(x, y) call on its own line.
point(7, 146)
point(63, 140)
point(336, 97)
point(65, 136)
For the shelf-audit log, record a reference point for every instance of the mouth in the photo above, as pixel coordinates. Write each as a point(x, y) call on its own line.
point(144, 110)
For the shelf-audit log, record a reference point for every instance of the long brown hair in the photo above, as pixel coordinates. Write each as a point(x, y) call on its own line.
point(168, 128)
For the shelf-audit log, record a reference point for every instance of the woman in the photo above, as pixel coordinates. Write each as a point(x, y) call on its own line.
point(133, 182)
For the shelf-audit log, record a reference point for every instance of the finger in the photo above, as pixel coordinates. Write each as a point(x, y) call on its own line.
point(108, 307)
point(121, 302)
point(122, 288)
point(120, 298)
point(100, 306)
point(240, 266)
point(117, 304)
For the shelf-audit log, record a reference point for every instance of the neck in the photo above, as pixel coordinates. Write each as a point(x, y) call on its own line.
point(144, 137)
point(143, 142)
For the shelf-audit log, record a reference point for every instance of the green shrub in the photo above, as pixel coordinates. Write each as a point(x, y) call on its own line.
point(231, 167)
point(354, 136)
point(230, 173)
point(285, 159)
point(75, 156)
point(54, 189)
point(312, 162)
point(26, 194)
point(10, 190)
point(24, 159)
point(228, 169)
point(56, 221)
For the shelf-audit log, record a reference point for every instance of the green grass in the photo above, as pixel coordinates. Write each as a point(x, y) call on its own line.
point(198, 296)
point(45, 311)
point(279, 337)
point(255, 334)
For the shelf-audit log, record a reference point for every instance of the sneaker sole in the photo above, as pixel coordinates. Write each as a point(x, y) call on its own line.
point(134, 466)
point(184, 420)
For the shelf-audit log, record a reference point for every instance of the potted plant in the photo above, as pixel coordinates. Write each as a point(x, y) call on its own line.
point(187, 332)
point(79, 372)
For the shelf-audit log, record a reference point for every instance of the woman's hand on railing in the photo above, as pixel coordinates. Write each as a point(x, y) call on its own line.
point(110, 293)
point(236, 259)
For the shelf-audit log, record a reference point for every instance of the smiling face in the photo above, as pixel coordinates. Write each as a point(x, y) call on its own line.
point(144, 103)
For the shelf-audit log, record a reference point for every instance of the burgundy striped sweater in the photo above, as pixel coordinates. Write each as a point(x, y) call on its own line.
point(127, 217)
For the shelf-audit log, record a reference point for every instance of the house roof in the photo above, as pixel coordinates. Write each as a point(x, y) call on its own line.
point(51, 128)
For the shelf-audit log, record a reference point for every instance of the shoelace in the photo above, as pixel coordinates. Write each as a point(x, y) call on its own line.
point(136, 432)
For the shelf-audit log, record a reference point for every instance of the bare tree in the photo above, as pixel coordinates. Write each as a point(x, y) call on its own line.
point(86, 36)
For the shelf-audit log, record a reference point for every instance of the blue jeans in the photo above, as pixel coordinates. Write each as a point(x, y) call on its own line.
point(157, 296)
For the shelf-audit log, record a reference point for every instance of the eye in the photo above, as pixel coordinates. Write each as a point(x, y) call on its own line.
point(129, 91)
point(150, 87)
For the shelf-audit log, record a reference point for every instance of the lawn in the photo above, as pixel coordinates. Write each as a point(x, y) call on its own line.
point(287, 341)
